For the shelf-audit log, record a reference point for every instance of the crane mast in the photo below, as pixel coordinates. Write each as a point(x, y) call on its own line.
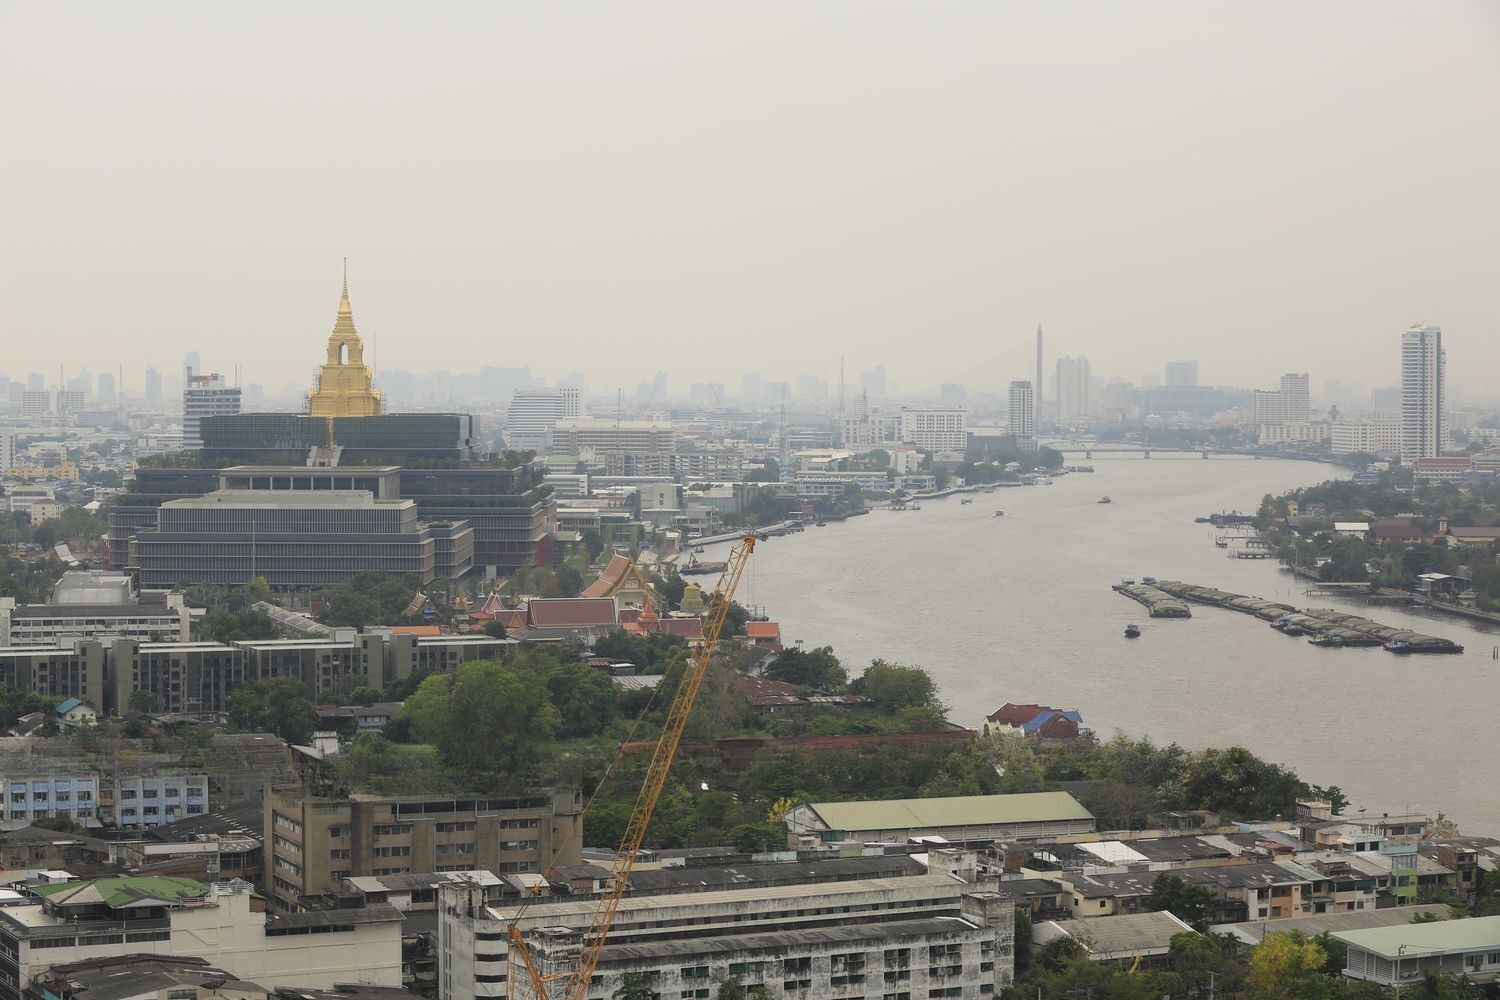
point(574, 981)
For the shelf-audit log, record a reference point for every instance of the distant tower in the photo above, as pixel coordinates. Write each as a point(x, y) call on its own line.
point(1037, 385)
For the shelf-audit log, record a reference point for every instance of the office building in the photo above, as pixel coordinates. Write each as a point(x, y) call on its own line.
point(314, 843)
point(872, 382)
point(1075, 386)
point(912, 936)
point(36, 403)
point(48, 624)
point(205, 396)
point(1022, 409)
point(225, 923)
point(1181, 374)
point(622, 447)
point(105, 391)
point(1424, 418)
point(295, 540)
point(153, 386)
point(952, 395)
point(534, 412)
point(1372, 435)
point(7, 451)
point(936, 429)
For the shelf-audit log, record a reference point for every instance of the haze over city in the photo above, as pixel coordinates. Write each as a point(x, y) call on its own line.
point(712, 190)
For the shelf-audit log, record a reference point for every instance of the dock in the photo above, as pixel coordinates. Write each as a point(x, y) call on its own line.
point(1325, 625)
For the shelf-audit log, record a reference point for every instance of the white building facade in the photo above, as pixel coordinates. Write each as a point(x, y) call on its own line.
point(1022, 409)
point(534, 412)
point(205, 396)
point(1075, 383)
point(937, 429)
point(1424, 421)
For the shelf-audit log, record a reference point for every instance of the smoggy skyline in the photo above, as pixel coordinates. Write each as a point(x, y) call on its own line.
point(710, 190)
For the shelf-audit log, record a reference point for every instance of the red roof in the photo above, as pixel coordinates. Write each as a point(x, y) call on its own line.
point(417, 630)
point(1017, 715)
point(690, 628)
point(609, 578)
point(762, 630)
point(572, 612)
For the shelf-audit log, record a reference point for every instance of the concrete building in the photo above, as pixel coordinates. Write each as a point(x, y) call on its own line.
point(1393, 957)
point(205, 396)
point(223, 923)
point(1029, 816)
point(1424, 399)
point(295, 540)
point(1022, 409)
point(1181, 374)
point(314, 843)
point(917, 936)
point(936, 429)
point(1289, 403)
point(1075, 386)
point(533, 413)
point(1373, 435)
point(621, 447)
point(7, 451)
point(49, 624)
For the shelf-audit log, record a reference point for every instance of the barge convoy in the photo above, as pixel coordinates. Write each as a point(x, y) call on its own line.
point(1322, 626)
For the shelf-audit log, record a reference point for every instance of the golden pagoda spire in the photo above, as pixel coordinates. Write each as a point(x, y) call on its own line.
point(344, 386)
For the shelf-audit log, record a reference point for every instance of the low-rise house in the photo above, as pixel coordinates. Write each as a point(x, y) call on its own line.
point(1253, 932)
point(764, 635)
point(72, 713)
point(1403, 955)
point(1259, 891)
point(1127, 938)
point(359, 718)
point(33, 847)
point(1037, 722)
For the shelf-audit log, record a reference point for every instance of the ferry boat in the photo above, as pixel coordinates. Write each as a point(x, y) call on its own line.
point(999, 513)
point(1104, 500)
point(695, 567)
point(1132, 631)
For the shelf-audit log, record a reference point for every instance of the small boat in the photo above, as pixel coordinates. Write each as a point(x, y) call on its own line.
point(1132, 631)
point(1329, 641)
point(1398, 646)
point(1202, 520)
point(966, 500)
point(820, 524)
point(1291, 628)
point(1104, 500)
point(695, 567)
point(999, 513)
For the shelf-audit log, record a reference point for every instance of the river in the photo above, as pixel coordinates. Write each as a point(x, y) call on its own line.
point(1020, 609)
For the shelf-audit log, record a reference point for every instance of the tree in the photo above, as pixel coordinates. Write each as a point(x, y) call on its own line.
point(1188, 903)
point(1333, 795)
point(494, 630)
point(593, 543)
point(892, 687)
point(818, 669)
point(487, 719)
point(585, 699)
point(1282, 963)
point(634, 986)
point(141, 700)
point(276, 705)
point(758, 838)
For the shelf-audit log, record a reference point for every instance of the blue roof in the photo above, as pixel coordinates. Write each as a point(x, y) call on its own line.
point(68, 706)
point(1045, 717)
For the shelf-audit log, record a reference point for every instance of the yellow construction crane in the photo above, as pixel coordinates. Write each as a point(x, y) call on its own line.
point(573, 983)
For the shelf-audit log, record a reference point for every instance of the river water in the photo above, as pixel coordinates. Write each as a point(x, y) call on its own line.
point(1020, 609)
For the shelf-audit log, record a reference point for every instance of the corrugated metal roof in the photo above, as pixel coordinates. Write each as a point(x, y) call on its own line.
point(958, 810)
point(1412, 940)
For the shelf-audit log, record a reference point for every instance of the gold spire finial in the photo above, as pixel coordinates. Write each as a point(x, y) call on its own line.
point(344, 307)
point(344, 383)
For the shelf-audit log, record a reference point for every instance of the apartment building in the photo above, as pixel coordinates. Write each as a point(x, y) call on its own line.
point(937, 429)
point(46, 624)
point(314, 843)
point(223, 923)
point(912, 937)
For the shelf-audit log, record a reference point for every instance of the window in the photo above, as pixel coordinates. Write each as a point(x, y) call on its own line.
point(339, 854)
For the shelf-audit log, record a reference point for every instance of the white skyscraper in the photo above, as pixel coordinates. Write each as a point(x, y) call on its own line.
point(1424, 422)
point(533, 413)
point(1022, 409)
point(1289, 403)
point(205, 396)
point(1075, 382)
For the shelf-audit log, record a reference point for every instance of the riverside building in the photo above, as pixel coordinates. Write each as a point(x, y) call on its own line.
point(1424, 418)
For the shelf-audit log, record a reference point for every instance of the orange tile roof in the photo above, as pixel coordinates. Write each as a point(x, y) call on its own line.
point(762, 630)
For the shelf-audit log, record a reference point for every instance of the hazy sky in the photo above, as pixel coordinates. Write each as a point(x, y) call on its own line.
point(710, 187)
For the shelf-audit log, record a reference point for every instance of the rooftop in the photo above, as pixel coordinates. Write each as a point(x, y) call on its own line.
point(266, 500)
point(122, 892)
point(958, 810)
point(1126, 935)
point(778, 942)
point(1252, 932)
point(1414, 940)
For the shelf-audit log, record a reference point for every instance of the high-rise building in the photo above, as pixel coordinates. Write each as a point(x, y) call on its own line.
point(191, 365)
point(345, 383)
point(106, 389)
point(872, 382)
point(950, 394)
point(205, 396)
point(936, 429)
point(534, 412)
point(36, 403)
point(1424, 421)
point(1022, 409)
point(1182, 374)
point(752, 389)
point(1289, 403)
point(1037, 385)
point(1075, 383)
point(153, 387)
point(7, 451)
point(36, 382)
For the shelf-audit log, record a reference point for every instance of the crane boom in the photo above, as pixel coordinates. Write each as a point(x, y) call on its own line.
point(575, 981)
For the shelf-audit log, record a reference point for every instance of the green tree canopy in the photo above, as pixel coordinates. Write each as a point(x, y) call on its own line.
point(892, 687)
point(817, 668)
point(585, 699)
point(276, 705)
point(1188, 903)
point(487, 719)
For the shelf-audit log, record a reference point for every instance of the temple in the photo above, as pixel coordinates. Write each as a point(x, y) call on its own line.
point(344, 382)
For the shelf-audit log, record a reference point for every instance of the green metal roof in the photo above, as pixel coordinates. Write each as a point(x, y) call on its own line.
point(123, 892)
point(1445, 937)
point(958, 810)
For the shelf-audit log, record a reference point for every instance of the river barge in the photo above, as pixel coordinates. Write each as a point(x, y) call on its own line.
point(1159, 603)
